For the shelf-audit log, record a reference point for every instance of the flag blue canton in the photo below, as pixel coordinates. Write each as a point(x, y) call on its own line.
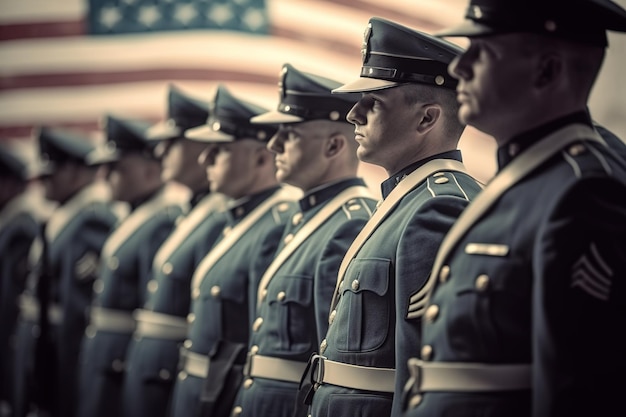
point(136, 16)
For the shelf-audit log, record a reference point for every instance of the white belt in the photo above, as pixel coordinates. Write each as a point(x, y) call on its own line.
point(274, 368)
point(467, 377)
point(29, 310)
point(159, 325)
point(105, 319)
point(194, 363)
point(364, 378)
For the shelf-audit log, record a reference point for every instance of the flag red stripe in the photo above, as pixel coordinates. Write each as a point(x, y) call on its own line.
point(73, 79)
point(33, 30)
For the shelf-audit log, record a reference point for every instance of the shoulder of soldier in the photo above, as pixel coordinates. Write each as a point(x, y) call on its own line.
point(593, 159)
point(283, 210)
point(358, 208)
point(453, 183)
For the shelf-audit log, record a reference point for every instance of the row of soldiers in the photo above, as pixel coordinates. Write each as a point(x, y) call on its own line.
point(272, 283)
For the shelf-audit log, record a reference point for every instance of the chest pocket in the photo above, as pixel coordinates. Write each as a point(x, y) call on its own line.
point(364, 312)
point(490, 299)
point(290, 314)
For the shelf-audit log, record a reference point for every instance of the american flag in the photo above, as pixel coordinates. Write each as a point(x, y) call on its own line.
point(67, 62)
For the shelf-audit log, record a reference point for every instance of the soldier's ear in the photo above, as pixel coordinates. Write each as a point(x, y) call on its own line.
point(428, 116)
point(336, 142)
point(549, 68)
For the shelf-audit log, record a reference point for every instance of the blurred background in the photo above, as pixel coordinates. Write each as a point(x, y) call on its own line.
point(68, 62)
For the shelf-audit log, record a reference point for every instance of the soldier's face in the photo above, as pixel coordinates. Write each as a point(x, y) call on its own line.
point(495, 83)
point(180, 164)
point(299, 149)
point(231, 167)
point(59, 185)
point(385, 128)
point(129, 176)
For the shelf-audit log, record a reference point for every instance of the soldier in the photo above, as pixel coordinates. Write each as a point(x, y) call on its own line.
point(405, 122)
point(126, 263)
point(162, 323)
point(528, 293)
point(23, 210)
point(224, 284)
point(315, 151)
point(65, 258)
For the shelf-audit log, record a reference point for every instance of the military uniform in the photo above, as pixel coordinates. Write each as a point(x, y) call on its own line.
point(223, 287)
point(64, 260)
point(21, 218)
point(294, 293)
point(527, 291)
point(124, 274)
point(375, 312)
point(152, 356)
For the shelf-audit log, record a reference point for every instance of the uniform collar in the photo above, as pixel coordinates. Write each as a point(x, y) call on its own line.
point(389, 184)
point(323, 193)
point(198, 196)
point(521, 142)
point(241, 207)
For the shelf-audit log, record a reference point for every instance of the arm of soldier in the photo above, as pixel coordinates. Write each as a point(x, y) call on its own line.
point(327, 268)
point(579, 303)
point(416, 253)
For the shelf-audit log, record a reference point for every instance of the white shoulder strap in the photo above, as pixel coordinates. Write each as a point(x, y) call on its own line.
point(519, 168)
point(235, 234)
point(307, 229)
point(407, 184)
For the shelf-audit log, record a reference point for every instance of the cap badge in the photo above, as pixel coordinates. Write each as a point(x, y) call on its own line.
point(334, 115)
point(439, 80)
point(550, 25)
point(216, 126)
point(365, 46)
point(261, 135)
point(478, 13)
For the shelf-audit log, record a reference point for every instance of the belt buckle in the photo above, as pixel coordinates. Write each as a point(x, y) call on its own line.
point(317, 371)
point(412, 394)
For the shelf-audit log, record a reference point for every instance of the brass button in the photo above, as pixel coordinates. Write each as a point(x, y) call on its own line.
point(187, 343)
point(167, 268)
point(113, 263)
point(431, 312)
point(164, 374)
point(439, 80)
point(444, 273)
point(90, 332)
point(441, 180)
point(248, 383)
point(215, 291)
point(576, 149)
point(296, 219)
point(355, 284)
point(191, 318)
point(482, 282)
point(152, 286)
point(288, 238)
point(182, 375)
point(312, 200)
point(264, 294)
point(254, 349)
point(354, 207)
point(98, 286)
point(283, 207)
point(340, 284)
point(414, 401)
point(332, 316)
point(281, 296)
point(257, 324)
point(237, 411)
point(427, 352)
point(195, 293)
point(323, 346)
point(117, 365)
